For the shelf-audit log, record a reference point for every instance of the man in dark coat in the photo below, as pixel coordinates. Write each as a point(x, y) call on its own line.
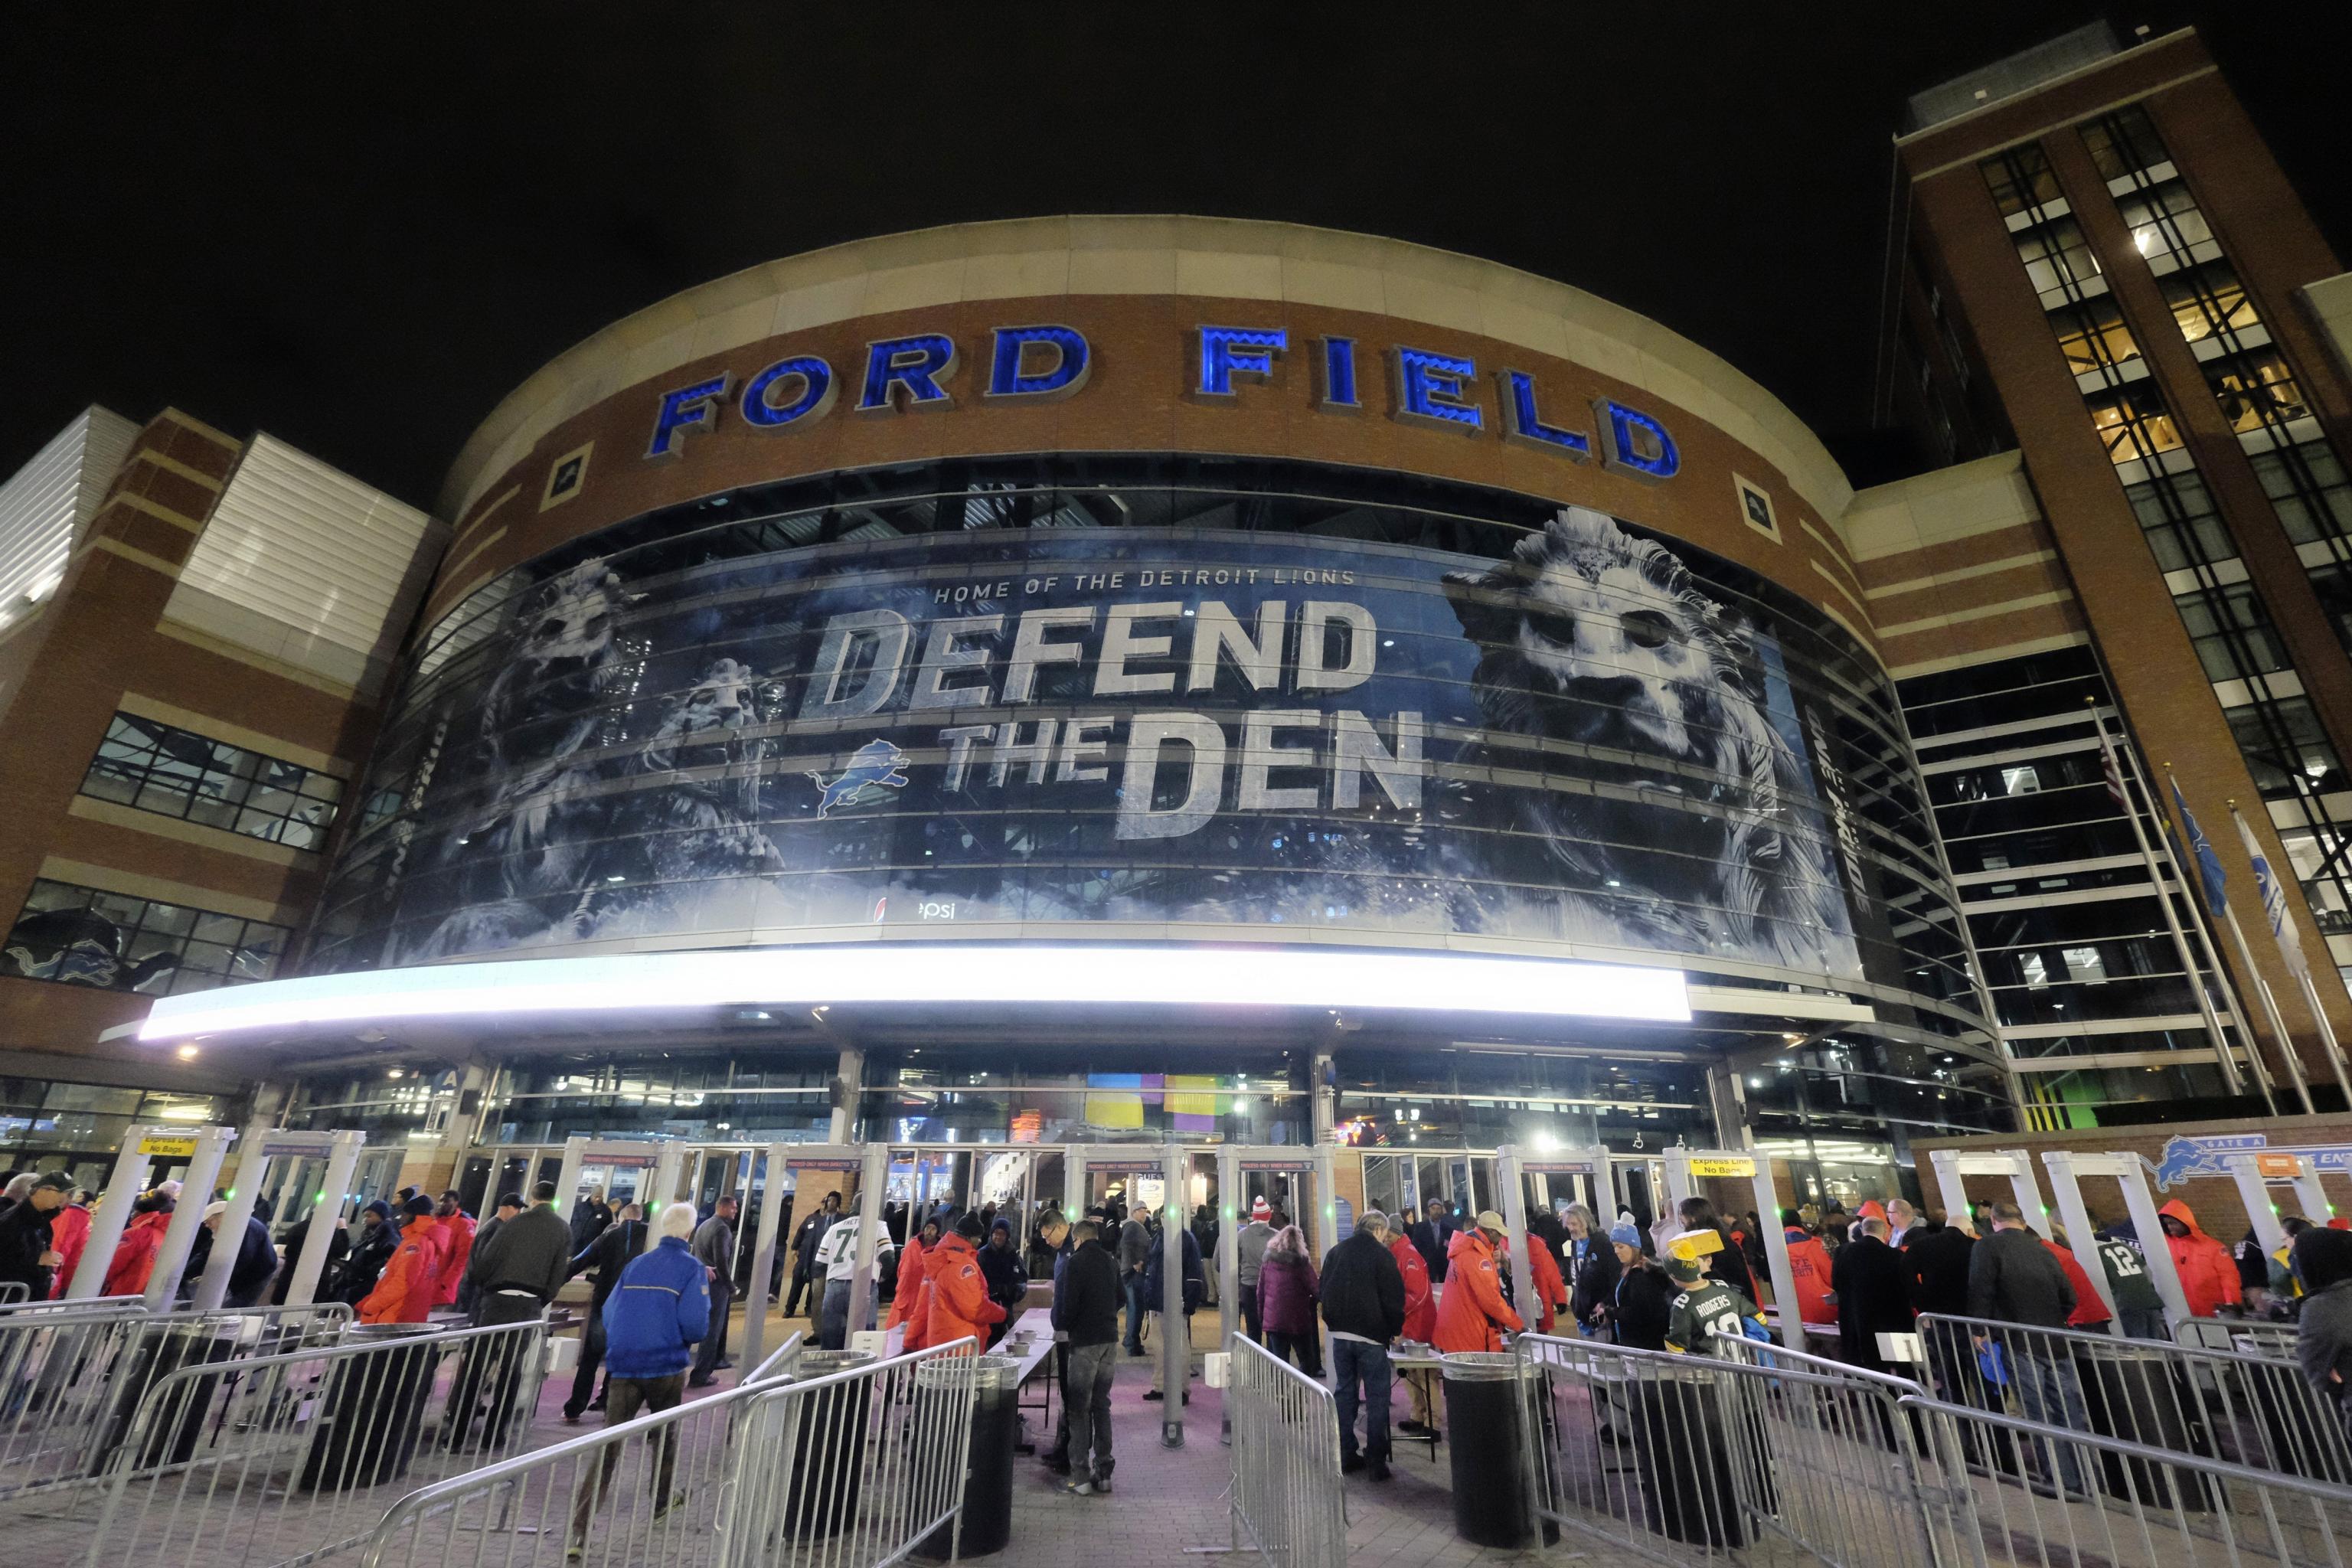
point(379, 1239)
point(1874, 1296)
point(1938, 1261)
point(1363, 1306)
point(26, 1254)
point(805, 1241)
point(607, 1255)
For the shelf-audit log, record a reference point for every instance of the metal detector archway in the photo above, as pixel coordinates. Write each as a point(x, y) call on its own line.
point(1953, 1167)
point(660, 1161)
point(1512, 1169)
point(1686, 1167)
point(143, 1147)
point(2256, 1174)
point(870, 1162)
point(262, 1148)
point(2067, 1168)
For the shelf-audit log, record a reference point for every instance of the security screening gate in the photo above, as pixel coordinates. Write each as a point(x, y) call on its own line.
point(662, 1161)
point(1317, 1215)
point(2257, 1173)
point(203, 1148)
point(871, 1164)
point(264, 1147)
point(1686, 1167)
point(1510, 1166)
point(2066, 1171)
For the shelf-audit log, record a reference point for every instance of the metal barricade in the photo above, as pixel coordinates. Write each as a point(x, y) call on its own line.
point(2251, 1410)
point(12, 1291)
point(294, 1456)
point(87, 1304)
point(2034, 1495)
point(1681, 1457)
point(782, 1364)
point(1287, 1498)
point(73, 1374)
point(849, 1465)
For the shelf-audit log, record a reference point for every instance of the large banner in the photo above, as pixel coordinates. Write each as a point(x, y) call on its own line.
point(1215, 732)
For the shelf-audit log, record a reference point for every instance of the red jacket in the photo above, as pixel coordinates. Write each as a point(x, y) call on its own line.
point(1471, 1312)
point(910, 1285)
point(1420, 1305)
point(68, 1234)
point(2208, 1275)
point(457, 1237)
point(1551, 1291)
point(134, 1256)
point(2090, 1307)
point(1809, 1268)
point(404, 1292)
point(955, 1297)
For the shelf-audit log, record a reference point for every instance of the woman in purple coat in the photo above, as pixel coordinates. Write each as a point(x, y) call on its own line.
point(1287, 1288)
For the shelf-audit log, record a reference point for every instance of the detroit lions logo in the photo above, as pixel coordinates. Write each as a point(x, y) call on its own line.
point(873, 769)
point(2187, 1157)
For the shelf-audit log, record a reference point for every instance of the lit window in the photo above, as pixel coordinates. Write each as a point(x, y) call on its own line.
point(2020, 178)
point(2037, 973)
point(2020, 780)
point(2256, 390)
point(2209, 300)
point(2093, 337)
point(2123, 143)
point(2083, 964)
point(2285, 748)
point(2165, 220)
point(2134, 423)
point(2057, 259)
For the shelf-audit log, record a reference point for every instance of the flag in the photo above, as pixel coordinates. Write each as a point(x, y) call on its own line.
point(2114, 778)
point(2209, 864)
point(2275, 910)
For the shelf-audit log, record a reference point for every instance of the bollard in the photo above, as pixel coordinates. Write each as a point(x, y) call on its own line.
point(988, 1471)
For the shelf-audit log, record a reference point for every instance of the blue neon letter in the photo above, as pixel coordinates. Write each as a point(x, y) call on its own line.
point(1068, 374)
point(816, 397)
point(1433, 389)
point(1229, 352)
point(1633, 444)
point(918, 365)
point(1339, 374)
point(1522, 423)
point(682, 410)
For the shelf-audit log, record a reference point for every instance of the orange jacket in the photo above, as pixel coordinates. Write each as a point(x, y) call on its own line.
point(134, 1256)
point(1551, 1291)
point(1420, 1305)
point(1808, 1271)
point(457, 1237)
point(1471, 1312)
point(2208, 1275)
point(955, 1296)
point(403, 1294)
point(2090, 1307)
point(69, 1236)
point(910, 1284)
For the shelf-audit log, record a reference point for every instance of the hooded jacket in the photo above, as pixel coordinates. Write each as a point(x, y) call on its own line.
point(657, 1314)
point(2208, 1275)
point(911, 1281)
point(1420, 1304)
point(134, 1255)
point(1287, 1290)
point(459, 1229)
point(1472, 1314)
point(955, 1296)
point(1809, 1268)
point(1551, 1291)
point(69, 1235)
point(403, 1293)
point(2323, 1343)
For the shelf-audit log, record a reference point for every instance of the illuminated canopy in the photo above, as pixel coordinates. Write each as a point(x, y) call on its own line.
point(903, 974)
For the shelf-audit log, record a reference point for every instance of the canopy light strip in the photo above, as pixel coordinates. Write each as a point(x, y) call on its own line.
point(554, 988)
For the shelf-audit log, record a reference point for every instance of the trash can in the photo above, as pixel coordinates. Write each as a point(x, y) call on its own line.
point(157, 1354)
point(371, 1410)
point(2132, 1393)
point(1684, 1459)
point(828, 1445)
point(988, 1468)
point(1490, 1411)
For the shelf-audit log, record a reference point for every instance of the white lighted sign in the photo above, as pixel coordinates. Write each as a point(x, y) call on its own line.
point(937, 973)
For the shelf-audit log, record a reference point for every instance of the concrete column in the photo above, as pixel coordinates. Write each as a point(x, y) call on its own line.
point(1175, 1328)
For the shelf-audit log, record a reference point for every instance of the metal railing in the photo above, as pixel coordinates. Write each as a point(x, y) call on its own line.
point(87, 1304)
point(12, 1291)
point(850, 1466)
point(1680, 1457)
point(73, 1375)
point(1287, 1498)
point(2250, 1410)
point(295, 1456)
point(2028, 1494)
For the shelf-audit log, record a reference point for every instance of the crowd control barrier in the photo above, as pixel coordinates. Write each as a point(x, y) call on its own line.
point(73, 1376)
point(2252, 1410)
point(1286, 1502)
point(849, 1466)
point(295, 1456)
point(2032, 1495)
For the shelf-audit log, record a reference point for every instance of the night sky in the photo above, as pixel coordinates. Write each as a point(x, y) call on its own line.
point(358, 232)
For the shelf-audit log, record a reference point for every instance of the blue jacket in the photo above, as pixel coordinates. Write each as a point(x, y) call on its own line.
point(656, 1314)
point(1196, 1282)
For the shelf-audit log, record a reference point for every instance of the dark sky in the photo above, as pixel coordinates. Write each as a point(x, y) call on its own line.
point(359, 233)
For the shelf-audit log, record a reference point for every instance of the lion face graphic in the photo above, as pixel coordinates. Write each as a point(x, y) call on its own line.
point(1602, 649)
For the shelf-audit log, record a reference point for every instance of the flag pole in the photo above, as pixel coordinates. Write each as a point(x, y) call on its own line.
point(2172, 919)
point(2254, 975)
point(2290, 942)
